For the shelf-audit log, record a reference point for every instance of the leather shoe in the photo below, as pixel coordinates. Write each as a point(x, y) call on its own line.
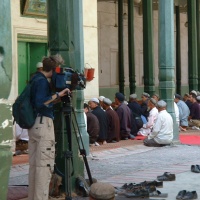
point(181, 194)
point(195, 169)
point(190, 195)
point(153, 183)
point(138, 193)
point(167, 176)
point(157, 193)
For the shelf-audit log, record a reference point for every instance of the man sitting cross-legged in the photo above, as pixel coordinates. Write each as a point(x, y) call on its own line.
point(162, 133)
point(147, 128)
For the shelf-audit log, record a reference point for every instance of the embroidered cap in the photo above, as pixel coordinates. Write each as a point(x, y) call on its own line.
point(101, 98)
point(145, 94)
point(39, 65)
point(133, 96)
point(107, 101)
point(153, 101)
point(94, 100)
point(161, 104)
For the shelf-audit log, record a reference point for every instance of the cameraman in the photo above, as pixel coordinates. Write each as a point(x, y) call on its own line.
point(41, 135)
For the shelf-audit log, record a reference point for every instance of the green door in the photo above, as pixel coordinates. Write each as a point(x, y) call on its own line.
point(29, 54)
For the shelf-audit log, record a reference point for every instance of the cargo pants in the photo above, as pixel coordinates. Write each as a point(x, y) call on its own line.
point(41, 158)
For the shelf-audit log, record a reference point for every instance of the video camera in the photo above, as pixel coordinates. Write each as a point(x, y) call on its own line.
point(65, 77)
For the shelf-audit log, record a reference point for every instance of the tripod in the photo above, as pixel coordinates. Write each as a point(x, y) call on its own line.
point(68, 110)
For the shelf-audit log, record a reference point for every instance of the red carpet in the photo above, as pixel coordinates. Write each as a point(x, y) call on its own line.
point(190, 139)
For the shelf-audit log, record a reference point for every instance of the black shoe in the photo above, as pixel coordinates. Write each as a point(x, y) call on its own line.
point(157, 193)
point(137, 187)
point(139, 193)
point(181, 194)
point(82, 186)
point(190, 195)
point(124, 186)
point(167, 176)
point(195, 169)
point(153, 183)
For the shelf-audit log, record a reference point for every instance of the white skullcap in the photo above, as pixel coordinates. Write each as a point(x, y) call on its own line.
point(133, 96)
point(39, 65)
point(107, 101)
point(145, 94)
point(94, 100)
point(161, 104)
point(194, 92)
point(153, 101)
point(101, 98)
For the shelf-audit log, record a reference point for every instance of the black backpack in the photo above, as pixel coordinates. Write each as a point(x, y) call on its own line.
point(22, 110)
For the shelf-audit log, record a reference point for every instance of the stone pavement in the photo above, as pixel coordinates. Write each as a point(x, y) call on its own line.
point(131, 162)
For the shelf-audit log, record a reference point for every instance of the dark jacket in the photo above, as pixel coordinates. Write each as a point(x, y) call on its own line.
point(103, 123)
point(40, 93)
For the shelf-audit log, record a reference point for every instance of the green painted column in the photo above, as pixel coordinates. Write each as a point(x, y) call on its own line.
point(166, 57)
point(6, 140)
point(65, 35)
point(121, 46)
point(5, 49)
point(131, 46)
point(198, 43)
point(192, 46)
point(6, 131)
point(148, 58)
point(178, 52)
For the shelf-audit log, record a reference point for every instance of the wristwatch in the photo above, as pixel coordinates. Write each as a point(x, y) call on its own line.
point(57, 95)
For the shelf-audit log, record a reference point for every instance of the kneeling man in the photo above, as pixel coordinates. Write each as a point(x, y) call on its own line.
point(162, 133)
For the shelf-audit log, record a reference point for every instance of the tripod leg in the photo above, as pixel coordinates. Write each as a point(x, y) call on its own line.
point(82, 151)
point(68, 156)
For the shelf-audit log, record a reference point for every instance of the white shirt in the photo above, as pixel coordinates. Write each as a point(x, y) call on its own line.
point(153, 114)
point(163, 128)
point(176, 110)
point(20, 133)
point(147, 128)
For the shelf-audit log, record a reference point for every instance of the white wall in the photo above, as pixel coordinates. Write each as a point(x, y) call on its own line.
point(91, 46)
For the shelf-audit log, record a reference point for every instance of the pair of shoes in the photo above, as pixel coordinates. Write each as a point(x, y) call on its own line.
point(167, 176)
point(157, 193)
point(195, 128)
point(186, 195)
point(153, 183)
point(195, 168)
point(141, 193)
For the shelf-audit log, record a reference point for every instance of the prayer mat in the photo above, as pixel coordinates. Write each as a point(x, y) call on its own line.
point(190, 139)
